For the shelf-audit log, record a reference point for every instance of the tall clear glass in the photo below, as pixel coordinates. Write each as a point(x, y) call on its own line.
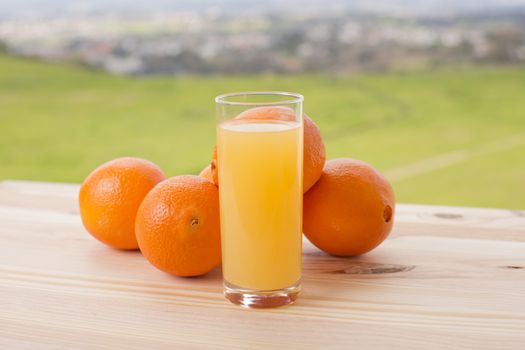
point(260, 166)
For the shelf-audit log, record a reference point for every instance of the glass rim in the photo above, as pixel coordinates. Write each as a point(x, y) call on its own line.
point(294, 98)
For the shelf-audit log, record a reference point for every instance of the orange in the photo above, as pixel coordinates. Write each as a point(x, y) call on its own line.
point(214, 167)
point(110, 197)
point(207, 173)
point(350, 210)
point(178, 227)
point(314, 149)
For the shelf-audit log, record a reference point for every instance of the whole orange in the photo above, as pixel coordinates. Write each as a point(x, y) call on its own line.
point(110, 197)
point(350, 210)
point(314, 153)
point(207, 173)
point(178, 227)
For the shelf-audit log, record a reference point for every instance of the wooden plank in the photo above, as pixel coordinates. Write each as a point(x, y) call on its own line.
point(447, 278)
point(410, 219)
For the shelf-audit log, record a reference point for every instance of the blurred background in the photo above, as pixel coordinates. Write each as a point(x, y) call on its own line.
point(430, 92)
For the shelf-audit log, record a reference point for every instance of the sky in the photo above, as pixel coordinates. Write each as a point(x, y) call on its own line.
point(36, 8)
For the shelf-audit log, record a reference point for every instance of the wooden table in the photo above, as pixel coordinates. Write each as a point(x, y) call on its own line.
point(446, 278)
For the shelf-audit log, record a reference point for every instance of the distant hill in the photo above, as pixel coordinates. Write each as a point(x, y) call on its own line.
point(451, 136)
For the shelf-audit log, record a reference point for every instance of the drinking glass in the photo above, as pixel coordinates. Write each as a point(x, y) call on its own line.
point(260, 166)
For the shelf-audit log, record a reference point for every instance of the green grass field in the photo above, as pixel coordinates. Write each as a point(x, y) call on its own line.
point(453, 137)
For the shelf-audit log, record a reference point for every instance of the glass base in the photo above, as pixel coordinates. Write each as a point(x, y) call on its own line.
point(261, 299)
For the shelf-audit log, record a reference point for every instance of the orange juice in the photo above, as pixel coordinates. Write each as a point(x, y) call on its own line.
point(260, 188)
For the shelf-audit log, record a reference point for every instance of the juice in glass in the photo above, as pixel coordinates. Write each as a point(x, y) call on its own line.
point(260, 189)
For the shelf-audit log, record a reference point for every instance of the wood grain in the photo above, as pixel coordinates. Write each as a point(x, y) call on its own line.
point(447, 277)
